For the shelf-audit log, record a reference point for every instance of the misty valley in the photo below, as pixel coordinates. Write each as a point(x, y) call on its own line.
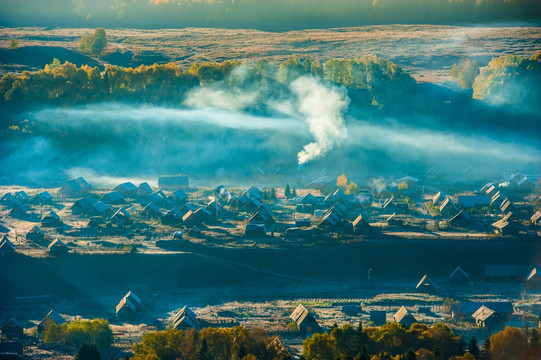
point(363, 193)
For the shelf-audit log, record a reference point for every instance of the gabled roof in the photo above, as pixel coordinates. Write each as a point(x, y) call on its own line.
point(403, 314)
point(308, 199)
point(132, 301)
point(122, 212)
point(36, 229)
point(56, 317)
point(536, 216)
point(152, 207)
point(22, 195)
point(53, 215)
point(8, 197)
point(459, 272)
point(6, 245)
point(448, 203)
point(20, 207)
point(462, 214)
point(112, 197)
point(438, 197)
point(144, 189)
point(425, 282)
point(43, 196)
point(126, 187)
point(483, 313)
point(533, 274)
point(57, 245)
point(360, 222)
point(12, 323)
point(180, 195)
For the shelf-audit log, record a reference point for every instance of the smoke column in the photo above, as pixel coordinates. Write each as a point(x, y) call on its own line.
point(323, 107)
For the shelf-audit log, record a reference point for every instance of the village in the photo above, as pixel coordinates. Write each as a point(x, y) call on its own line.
point(249, 230)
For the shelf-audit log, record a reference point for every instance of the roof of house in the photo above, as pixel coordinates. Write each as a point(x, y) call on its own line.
point(402, 314)
point(462, 214)
point(533, 274)
point(12, 322)
point(424, 282)
point(360, 221)
point(56, 317)
point(457, 272)
point(6, 245)
point(112, 196)
point(121, 212)
point(152, 206)
point(483, 313)
point(57, 244)
point(536, 216)
point(447, 203)
point(144, 189)
point(36, 229)
point(127, 186)
point(180, 195)
point(470, 307)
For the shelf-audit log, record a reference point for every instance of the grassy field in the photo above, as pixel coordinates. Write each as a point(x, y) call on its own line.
point(427, 51)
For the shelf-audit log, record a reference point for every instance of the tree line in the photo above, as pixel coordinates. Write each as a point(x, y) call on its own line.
point(388, 342)
point(67, 84)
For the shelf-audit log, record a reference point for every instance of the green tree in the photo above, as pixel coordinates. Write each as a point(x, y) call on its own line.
point(13, 44)
point(473, 347)
point(465, 72)
point(93, 44)
point(287, 191)
point(319, 347)
point(88, 352)
point(485, 350)
point(508, 344)
point(534, 345)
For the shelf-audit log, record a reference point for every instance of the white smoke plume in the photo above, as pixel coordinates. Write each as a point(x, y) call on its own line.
point(323, 107)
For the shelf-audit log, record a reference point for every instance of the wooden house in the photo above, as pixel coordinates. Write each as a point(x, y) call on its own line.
point(425, 285)
point(12, 329)
point(150, 211)
point(361, 226)
point(186, 319)
point(459, 277)
point(448, 208)
point(35, 235)
point(113, 197)
point(144, 189)
point(57, 247)
point(19, 211)
point(127, 189)
point(404, 318)
point(488, 318)
point(52, 317)
point(6, 247)
point(462, 218)
point(75, 187)
point(129, 306)
point(121, 217)
point(306, 322)
point(253, 230)
point(51, 220)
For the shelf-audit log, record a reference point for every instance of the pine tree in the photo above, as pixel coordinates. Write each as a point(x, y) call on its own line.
point(88, 352)
point(287, 191)
point(535, 346)
point(473, 347)
point(410, 355)
point(485, 351)
point(293, 192)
